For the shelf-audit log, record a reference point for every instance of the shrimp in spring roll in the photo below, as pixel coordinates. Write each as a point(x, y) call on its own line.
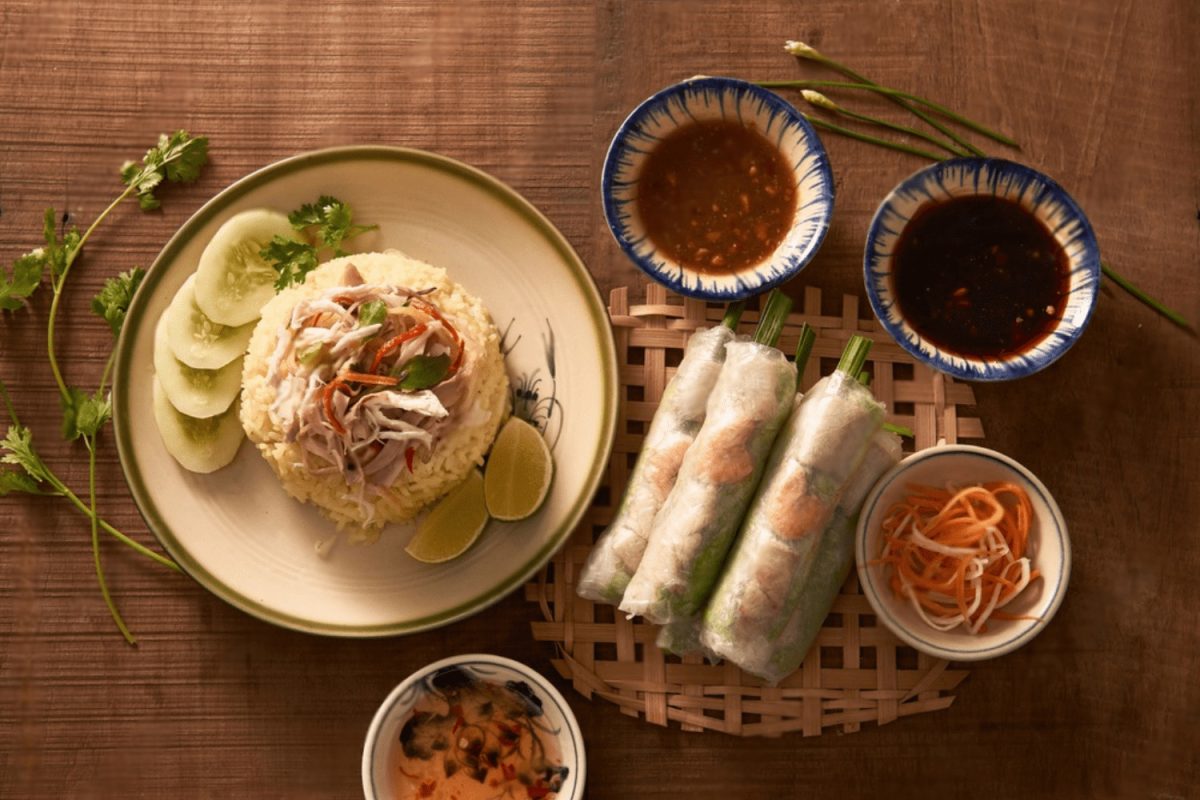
point(810, 466)
point(831, 565)
point(617, 553)
point(683, 635)
point(692, 532)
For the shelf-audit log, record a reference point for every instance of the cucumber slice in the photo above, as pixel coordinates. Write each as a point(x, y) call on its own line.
point(199, 445)
point(200, 393)
point(195, 339)
point(233, 282)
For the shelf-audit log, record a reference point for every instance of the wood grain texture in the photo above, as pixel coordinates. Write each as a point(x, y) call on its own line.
point(1102, 95)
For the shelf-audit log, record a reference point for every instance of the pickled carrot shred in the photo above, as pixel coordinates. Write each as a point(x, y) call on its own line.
point(958, 556)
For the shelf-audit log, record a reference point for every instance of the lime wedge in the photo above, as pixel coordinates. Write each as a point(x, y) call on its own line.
point(517, 476)
point(453, 525)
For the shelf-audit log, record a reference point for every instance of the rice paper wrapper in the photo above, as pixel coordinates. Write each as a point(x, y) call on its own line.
point(692, 532)
point(811, 464)
point(616, 555)
point(792, 635)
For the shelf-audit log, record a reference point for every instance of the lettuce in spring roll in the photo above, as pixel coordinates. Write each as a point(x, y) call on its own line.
point(692, 532)
point(831, 565)
point(617, 553)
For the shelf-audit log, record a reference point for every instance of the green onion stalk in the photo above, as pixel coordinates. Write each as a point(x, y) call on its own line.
point(774, 315)
point(918, 105)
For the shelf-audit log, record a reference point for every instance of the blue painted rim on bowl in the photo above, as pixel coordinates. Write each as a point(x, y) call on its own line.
point(902, 631)
point(985, 176)
point(816, 210)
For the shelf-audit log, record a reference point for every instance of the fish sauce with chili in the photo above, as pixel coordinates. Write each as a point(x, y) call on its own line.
point(980, 276)
point(716, 196)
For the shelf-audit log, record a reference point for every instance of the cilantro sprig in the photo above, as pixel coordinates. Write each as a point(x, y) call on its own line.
point(176, 158)
point(326, 223)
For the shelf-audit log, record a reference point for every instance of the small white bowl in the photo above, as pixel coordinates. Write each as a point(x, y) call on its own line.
point(1049, 551)
point(704, 98)
point(383, 736)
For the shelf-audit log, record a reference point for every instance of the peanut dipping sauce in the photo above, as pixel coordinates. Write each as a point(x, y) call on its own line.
point(716, 196)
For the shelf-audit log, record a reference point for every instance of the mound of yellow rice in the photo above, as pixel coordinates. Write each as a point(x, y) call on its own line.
point(461, 448)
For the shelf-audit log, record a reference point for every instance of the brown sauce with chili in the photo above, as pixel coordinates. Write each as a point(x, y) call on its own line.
point(716, 196)
point(980, 276)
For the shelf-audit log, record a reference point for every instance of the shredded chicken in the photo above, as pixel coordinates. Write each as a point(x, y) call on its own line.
point(366, 401)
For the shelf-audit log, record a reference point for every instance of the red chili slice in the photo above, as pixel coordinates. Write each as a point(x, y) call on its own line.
point(409, 455)
point(327, 402)
point(392, 344)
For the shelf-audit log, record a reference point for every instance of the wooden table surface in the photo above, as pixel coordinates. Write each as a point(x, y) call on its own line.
point(1103, 96)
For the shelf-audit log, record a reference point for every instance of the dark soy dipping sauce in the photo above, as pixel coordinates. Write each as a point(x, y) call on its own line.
point(716, 196)
point(980, 276)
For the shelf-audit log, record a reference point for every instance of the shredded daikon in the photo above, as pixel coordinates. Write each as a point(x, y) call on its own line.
point(958, 556)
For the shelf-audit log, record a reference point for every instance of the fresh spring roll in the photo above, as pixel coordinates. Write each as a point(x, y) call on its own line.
point(820, 448)
point(692, 532)
point(617, 553)
point(682, 635)
point(831, 565)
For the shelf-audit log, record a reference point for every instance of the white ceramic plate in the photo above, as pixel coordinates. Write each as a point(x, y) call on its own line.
point(237, 532)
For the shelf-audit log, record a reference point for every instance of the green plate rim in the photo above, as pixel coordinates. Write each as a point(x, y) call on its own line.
point(219, 203)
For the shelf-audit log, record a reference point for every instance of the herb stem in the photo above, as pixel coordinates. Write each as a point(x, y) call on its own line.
point(772, 318)
point(64, 491)
point(804, 346)
point(12, 412)
point(854, 355)
point(733, 313)
point(899, 96)
point(899, 430)
point(869, 139)
point(821, 101)
point(821, 58)
point(61, 490)
point(57, 282)
point(108, 367)
point(108, 601)
point(1125, 284)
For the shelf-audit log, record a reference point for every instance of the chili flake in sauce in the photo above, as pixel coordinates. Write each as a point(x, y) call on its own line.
point(472, 739)
point(716, 196)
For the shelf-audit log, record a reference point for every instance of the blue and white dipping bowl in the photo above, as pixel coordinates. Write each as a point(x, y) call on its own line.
point(702, 99)
point(1038, 194)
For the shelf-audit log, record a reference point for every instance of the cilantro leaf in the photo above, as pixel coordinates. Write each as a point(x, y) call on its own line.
point(53, 256)
point(13, 481)
point(422, 372)
point(183, 156)
point(84, 414)
point(93, 413)
point(291, 259)
point(333, 220)
point(177, 158)
point(17, 446)
point(58, 251)
point(309, 214)
point(372, 313)
point(71, 403)
point(26, 276)
point(113, 300)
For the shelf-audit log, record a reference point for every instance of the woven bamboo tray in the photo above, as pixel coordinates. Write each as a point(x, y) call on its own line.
point(857, 671)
